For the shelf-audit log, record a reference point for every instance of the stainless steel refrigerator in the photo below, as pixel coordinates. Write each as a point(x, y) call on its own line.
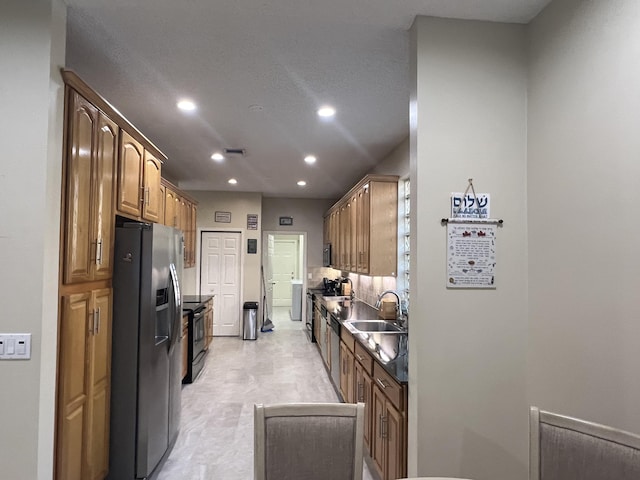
point(146, 352)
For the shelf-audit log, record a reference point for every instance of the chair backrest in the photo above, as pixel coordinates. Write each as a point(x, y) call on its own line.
point(308, 441)
point(565, 448)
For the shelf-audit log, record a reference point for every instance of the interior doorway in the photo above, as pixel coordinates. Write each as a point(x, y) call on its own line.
point(220, 275)
point(285, 268)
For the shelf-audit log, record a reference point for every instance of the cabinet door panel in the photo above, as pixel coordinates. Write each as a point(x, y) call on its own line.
point(73, 392)
point(102, 200)
point(78, 239)
point(394, 457)
point(170, 217)
point(363, 386)
point(151, 188)
point(377, 447)
point(130, 175)
point(363, 229)
point(100, 371)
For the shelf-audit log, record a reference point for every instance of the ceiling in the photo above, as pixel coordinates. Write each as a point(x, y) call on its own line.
point(258, 70)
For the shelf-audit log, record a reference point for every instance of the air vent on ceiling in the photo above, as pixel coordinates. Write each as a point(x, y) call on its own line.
point(235, 151)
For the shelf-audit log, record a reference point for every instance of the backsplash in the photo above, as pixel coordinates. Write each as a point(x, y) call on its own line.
point(368, 288)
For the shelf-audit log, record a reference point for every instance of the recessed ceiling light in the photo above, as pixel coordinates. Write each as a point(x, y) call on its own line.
point(326, 111)
point(256, 108)
point(233, 181)
point(218, 157)
point(186, 105)
point(310, 159)
point(301, 183)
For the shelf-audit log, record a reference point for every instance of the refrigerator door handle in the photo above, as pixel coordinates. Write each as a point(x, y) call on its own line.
point(174, 322)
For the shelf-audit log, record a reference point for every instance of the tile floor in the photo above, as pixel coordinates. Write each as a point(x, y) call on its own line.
point(216, 436)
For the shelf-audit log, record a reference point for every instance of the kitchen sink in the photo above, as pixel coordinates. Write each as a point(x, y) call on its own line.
point(375, 326)
point(384, 339)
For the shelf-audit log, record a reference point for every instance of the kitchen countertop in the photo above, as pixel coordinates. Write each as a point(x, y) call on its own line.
point(192, 302)
point(344, 309)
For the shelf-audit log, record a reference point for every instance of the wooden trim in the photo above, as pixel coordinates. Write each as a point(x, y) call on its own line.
point(83, 287)
point(74, 81)
point(367, 178)
point(167, 183)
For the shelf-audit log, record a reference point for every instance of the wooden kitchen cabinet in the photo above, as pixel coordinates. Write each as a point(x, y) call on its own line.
point(92, 146)
point(130, 172)
point(346, 374)
point(181, 212)
point(388, 447)
point(84, 385)
point(151, 190)
point(363, 227)
point(138, 180)
point(208, 324)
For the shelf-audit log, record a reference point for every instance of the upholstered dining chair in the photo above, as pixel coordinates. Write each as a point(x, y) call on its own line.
point(566, 448)
point(308, 441)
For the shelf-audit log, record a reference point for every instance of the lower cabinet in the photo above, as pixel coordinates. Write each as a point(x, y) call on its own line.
point(363, 384)
point(184, 342)
point(364, 380)
point(388, 449)
point(84, 386)
point(346, 374)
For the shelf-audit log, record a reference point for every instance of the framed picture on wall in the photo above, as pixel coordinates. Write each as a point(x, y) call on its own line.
point(286, 220)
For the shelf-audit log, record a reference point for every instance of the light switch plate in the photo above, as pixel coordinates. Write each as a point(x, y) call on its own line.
point(15, 346)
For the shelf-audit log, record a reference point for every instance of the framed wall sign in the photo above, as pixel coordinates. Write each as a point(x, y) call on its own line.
point(286, 220)
point(223, 217)
point(252, 245)
point(252, 221)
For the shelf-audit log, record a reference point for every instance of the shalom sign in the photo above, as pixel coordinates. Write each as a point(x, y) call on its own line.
point(469, 205)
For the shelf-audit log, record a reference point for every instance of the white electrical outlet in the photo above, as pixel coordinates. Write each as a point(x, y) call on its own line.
point(15, 346)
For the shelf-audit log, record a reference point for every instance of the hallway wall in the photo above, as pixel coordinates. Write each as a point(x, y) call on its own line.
point(583, 177)
point(32, 51)
point(467, 348)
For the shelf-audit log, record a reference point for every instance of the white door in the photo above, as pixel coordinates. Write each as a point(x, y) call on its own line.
point(285, 265)
point(220, 254)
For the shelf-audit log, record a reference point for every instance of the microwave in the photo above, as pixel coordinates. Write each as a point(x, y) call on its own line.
point(326, 255)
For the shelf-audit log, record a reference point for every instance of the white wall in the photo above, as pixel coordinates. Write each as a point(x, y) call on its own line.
point(240, 204)
point(396, 163)
point(583, 179)
point(307, 217)
point(32, 40)
point(467, 351)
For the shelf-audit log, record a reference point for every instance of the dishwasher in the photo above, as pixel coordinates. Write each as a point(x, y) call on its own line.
point(335, 351)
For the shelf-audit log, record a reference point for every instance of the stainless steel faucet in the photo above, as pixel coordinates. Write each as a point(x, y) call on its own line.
point(401, 311)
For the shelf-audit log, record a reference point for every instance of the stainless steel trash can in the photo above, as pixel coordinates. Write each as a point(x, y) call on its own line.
point(250, 321)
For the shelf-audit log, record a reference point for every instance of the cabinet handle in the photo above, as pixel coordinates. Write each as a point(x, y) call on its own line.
point(383, 426)
point(382, 383)
point(99, 252)
point(98, 317)
point(360, 392)
point(359, 357)
point(380, 434)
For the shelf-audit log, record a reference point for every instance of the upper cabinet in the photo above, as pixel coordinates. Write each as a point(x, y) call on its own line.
point(92, 147)
point(152, 197)
point(363, 227)
point(180, 212)
point(139, 173)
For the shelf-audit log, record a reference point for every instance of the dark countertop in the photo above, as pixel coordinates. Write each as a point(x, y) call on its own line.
point(192, 302)
point(342, 309)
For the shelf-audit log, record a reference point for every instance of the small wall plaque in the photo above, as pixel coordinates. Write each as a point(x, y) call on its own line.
point(252, 245)
point(223, 217)
point(286, 220)
point(252, 221)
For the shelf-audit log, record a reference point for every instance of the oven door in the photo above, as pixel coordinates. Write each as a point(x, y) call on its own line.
point(309, 320)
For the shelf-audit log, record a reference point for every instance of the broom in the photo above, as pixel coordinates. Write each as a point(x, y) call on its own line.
point(267, 324)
